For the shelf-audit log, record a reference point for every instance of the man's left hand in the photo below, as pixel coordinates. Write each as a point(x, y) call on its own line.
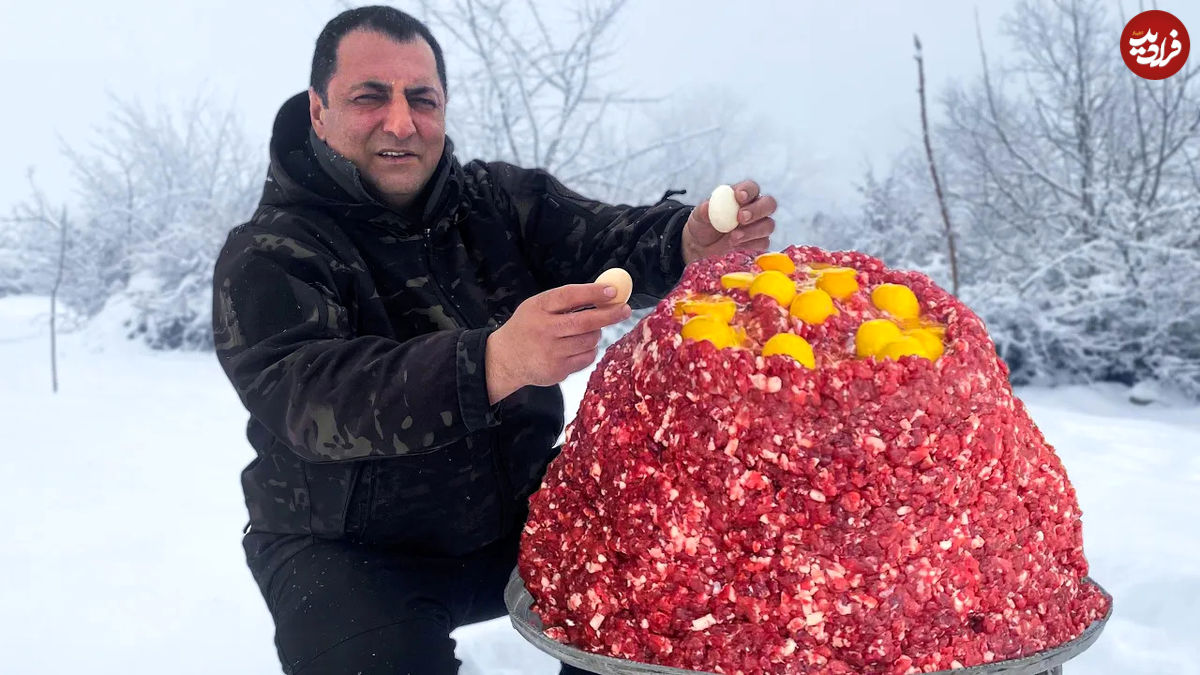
point(753, 232)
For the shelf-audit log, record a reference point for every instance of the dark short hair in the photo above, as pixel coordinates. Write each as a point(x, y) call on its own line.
point(390, 21)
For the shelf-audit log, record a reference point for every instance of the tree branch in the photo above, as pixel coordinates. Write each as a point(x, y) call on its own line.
point(937, 184)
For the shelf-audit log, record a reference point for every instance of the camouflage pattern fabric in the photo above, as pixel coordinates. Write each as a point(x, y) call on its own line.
point(355, 334)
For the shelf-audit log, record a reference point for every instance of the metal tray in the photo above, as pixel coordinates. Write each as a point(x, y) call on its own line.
point(529, 625)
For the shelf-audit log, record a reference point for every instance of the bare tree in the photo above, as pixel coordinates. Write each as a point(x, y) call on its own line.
point(937, 184)
point(39, 213)
point(528, 88)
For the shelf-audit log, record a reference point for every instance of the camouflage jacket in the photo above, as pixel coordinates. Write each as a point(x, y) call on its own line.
point(354, 335)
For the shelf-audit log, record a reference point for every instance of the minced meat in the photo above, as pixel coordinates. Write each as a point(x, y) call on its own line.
point(716, 510)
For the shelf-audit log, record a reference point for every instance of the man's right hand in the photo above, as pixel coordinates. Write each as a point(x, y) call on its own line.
point(546, 340)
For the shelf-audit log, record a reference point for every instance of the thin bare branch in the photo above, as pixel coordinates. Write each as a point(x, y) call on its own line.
point(937, 184)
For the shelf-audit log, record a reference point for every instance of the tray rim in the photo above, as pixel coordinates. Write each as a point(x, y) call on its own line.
point(519, 602)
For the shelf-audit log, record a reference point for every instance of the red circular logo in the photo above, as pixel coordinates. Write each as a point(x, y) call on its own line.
point(1155, 44)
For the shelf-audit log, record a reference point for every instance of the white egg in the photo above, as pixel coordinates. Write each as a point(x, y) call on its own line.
point(620, 280)
point(723, 209)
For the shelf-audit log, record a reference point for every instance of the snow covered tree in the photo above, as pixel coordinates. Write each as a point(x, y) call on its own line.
point(899, 221)
point(29, 244)
point(1081, 188)
point(528, 87)
point(156, 194)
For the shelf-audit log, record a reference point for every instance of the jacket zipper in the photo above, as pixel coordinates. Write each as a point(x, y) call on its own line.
point(501, 478)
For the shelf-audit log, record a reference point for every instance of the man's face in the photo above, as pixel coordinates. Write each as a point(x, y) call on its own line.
point(386, 113)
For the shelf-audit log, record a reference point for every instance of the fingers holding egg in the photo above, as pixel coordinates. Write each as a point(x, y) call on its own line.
point(620, 280)
point(723, 209)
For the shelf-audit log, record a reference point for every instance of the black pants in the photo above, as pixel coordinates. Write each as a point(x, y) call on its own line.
point(341, 608)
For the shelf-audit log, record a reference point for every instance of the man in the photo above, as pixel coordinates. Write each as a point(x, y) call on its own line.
point(396, 324)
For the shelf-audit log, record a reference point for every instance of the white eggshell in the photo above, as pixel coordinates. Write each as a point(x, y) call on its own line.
point(620, 280)
point(723, 209)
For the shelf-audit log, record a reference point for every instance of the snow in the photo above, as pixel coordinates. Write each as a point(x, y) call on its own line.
point(124, 515)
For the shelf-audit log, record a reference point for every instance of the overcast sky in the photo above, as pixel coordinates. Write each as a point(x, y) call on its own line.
point(837, 77)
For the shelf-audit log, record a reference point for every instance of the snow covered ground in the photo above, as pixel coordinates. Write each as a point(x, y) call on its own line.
point(123, 516)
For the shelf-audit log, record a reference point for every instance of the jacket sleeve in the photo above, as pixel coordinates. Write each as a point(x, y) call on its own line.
point(284, 338)
point(570, 239)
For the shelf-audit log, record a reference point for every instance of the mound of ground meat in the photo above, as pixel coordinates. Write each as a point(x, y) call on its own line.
point(720, 511)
